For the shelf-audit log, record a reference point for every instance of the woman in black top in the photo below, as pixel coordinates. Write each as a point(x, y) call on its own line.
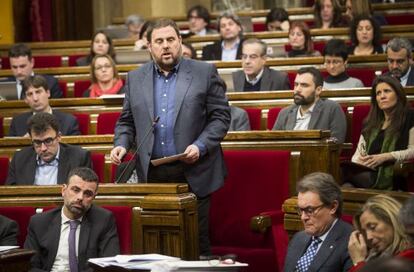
point(365, 35)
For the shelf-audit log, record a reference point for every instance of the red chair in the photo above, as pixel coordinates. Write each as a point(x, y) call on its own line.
point(40, 62)
point(64, 88)
point(22, 216)
point(255, 117)
point(4, 169)
point(80, 86)
point(257, 184)
point(106, 122)
point(272, 117)
point(367, 76)
point(358, 116)
point(73, 58)
point(98, 165)
point(292, 76)
point(400, 19)
point(83, 120)
point(123, 218)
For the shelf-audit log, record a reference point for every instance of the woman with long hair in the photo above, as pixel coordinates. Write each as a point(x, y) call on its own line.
point(301, 41)
point(101, 44)
point(365, 35)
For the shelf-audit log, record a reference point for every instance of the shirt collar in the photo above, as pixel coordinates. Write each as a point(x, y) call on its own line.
point(256, 79)
point(235, 45)
point(310, 110)
point(202, 32)
point(54, 162)
point(323, 237)
point(65, 219)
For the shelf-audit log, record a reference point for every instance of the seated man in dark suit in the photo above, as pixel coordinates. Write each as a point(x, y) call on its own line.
point(37, 97)
point(255, 75)
point(8, 231)
point(323, 245)
point(66, 237)
point(229, 47)
point(400, 60)
point(239, 119)
point(21, 64)
point(48, 161)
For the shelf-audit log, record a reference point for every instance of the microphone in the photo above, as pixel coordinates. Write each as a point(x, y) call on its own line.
point(128, 166)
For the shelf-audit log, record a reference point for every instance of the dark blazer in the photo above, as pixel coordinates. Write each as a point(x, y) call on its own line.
point(213, 51)
point(410, 79)
point(8, 231)
point(271, 80)
point(68, 124)
point(22, 169)
point(239, 119)
point(52, 83)
point(98, 237)
point(326, 115)
point(202, 114)
point(332, 255)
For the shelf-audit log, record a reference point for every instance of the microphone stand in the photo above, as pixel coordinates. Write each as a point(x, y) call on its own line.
point(150, 129)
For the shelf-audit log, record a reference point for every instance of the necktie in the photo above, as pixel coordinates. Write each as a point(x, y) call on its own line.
point(307, 258)
point(73, 261)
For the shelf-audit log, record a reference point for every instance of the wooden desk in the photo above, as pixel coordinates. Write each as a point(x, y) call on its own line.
point(15, 260)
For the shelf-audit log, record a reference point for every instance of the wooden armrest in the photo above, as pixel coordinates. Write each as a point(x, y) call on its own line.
point(260, 223)
point(346, 146)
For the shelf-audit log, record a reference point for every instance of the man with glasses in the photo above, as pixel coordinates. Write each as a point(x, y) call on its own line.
point(47, 161)
point(335, 55)
point(37, 96)
point(323, 244)
point(255, 76)
point(400, 60)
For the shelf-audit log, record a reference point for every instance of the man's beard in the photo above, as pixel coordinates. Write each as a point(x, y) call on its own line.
point(302, 101)
point(397, 73)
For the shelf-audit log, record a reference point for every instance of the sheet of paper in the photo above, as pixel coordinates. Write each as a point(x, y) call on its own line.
point(4, 248)
point(169, 159)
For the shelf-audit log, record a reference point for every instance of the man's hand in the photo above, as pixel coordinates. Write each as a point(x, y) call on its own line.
point(117, 153)
point(192, 154)
point(357, 247)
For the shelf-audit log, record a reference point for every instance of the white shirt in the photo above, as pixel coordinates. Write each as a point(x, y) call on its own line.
point(231, 53)
point(302, 121)
point(256, 79)
point(404, 78)
point(47, 172)
point(61, 263)
point(323, 237)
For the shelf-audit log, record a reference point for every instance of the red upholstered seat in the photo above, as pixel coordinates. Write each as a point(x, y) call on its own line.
point(272, 117)
point(73, 58)
point(106, 122)
point(254, 118)
point(80, 86)
point(367, 76)
point(292, 76)
point(4, 169)
point(358, 116)
point(64, 88)
point(400, 19)
point(84, 120)
point(22, 216)
point(98, 165)
point(123, 217)
point(40, 62)
point(257, 184)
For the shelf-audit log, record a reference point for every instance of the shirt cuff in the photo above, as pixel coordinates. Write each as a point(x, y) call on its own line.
point(201, 147)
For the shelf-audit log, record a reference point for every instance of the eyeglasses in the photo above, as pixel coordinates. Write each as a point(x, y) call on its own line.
point(309, 211)
point(215, 260)
point(47, 142)
point(100, 67)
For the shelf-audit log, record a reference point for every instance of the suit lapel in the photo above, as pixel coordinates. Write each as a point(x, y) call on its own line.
point(52, 238)
point(315, 114)
point(291, 119)
point(63, 165)
point(29, 176)
point(148, 89)
point(84, 238)
point(239, 81)
point(266, 80)
point(182, 86)
point(299, 251)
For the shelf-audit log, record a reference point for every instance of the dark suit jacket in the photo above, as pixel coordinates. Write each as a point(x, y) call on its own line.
point(239, 119)
point(410, 79)
point(213, 51)
point(22, 169)
point(201, 113)
point(332, 255)
point(98, 237)
point(8, 231)
point(52, 83)
point(68, 124)
point(271, 80)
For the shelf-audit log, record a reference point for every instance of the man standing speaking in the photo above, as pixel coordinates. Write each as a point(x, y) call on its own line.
point(189, 98)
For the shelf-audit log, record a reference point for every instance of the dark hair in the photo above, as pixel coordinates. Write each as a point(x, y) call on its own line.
point(84, 173)
point(201, 11)
point(40, 122)
point(336, 48)
point(337, 13)
point(262, 44)
point(316, 74)
point(144, 28)
point(161, 23)
point(306, 32)
point(277, 14)
point(376, 40)
point(111, 50)
point(376, 116)
point(92, 67)
point(232, 17)
point(36, 81)
point(20, 50)
point(325, 186)
point(189, 46)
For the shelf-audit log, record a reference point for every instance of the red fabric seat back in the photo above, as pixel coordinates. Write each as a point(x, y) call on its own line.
point(257, 181)
point(367, 76)
point(400, 19)
point(106, 122)
point(4, 169)
point(40, 62)
point(272, 117)
point(123, 218)
point(83, 120)
point(254, 118)
point(80, 86)
point(98, 165)
point(292, 76)
point(22, 216)
point(64, 88)
point(73, 58)
point(359, 114)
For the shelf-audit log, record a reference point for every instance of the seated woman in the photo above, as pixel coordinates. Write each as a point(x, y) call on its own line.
point(104, 77)
point(328, 14)
point(387, 136)
point(301, 41)
point(365, 36)
point(379, 233)
point(277, 20)
point(101, 44)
